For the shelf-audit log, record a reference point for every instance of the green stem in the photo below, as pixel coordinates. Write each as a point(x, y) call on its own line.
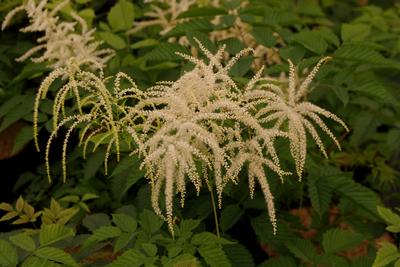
point(214, 210)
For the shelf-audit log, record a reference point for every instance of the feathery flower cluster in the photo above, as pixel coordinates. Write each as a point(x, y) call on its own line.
point(61, 40)
point(165, 14)
point(287, 108)
point(202, 128)
point(102, 111)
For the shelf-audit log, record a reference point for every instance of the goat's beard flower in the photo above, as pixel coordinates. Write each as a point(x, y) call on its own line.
point(201, 124)
point(200, 129)
point(61, 40)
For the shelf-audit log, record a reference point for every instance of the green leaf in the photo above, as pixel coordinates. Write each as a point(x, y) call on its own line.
point(186, 228)
point(331, 260)
point(122, 241)
point(355, 32)
point(183, 260)
point(202, 12)
point(302, 248)
point(150, 249)
point(33, 261)
point(207, 238)
point(370, 85)
point(389, 216)
point(238, 255)
point(8, 254)
point(149, 221)
point(101, 234)
point(23, 241)
point(52, 233)
point(311, 41)
point(166, 52)
point(264, 36)
point(112, 39)
point(145, 43)
point(95, 221)
point(55, 254)
point(194, 25)
point(336, 240)
point(229, 216)
point(282, 261)
point(31, 70)
point(362, 53)
point(121, 15)
point(124, 222)
point(17, 112)
point(214, 256)
point(93, 164)
point(131, 258)
point(241, 67)
point(386, 254)
point(263, 228)
point(320, 192)
point(360, 195)
point(22, 138)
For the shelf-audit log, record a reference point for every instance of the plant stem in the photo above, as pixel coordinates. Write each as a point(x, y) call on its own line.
point(214, 210)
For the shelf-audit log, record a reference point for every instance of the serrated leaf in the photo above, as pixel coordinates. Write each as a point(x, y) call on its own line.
point(23, 241)
point(302, 248)
point(9, 216)
point(131, 258)
point(33, 261)
point(6, 207)
point(101, 234)
point(183, 260)
point(362, 53)
point(389, 216)
point(125, 222)
point(214, 256)
point(166, 52)
point(8, 254)
point(52, 233)
point(331, 260)
point(114, 40)
point(238, 255)
point(186, 227)
point(282, 261)
point(122, 241)
point(241, 67)
point(360, 195)
point(121, 15)
point(336, 240)
point(150, 249)
point(355, 32)
point(320, 192)
point(194, 25)
point(95, 221)
point(150, 222)
point(55, 254)
point(264, 36)
point(386, 254)
point(207, 238)
point(311, 41)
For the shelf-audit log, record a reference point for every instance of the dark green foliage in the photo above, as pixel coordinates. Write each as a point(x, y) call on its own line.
point(336, 209)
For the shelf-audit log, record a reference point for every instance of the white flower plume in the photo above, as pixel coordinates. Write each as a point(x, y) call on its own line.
point(61, 40)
